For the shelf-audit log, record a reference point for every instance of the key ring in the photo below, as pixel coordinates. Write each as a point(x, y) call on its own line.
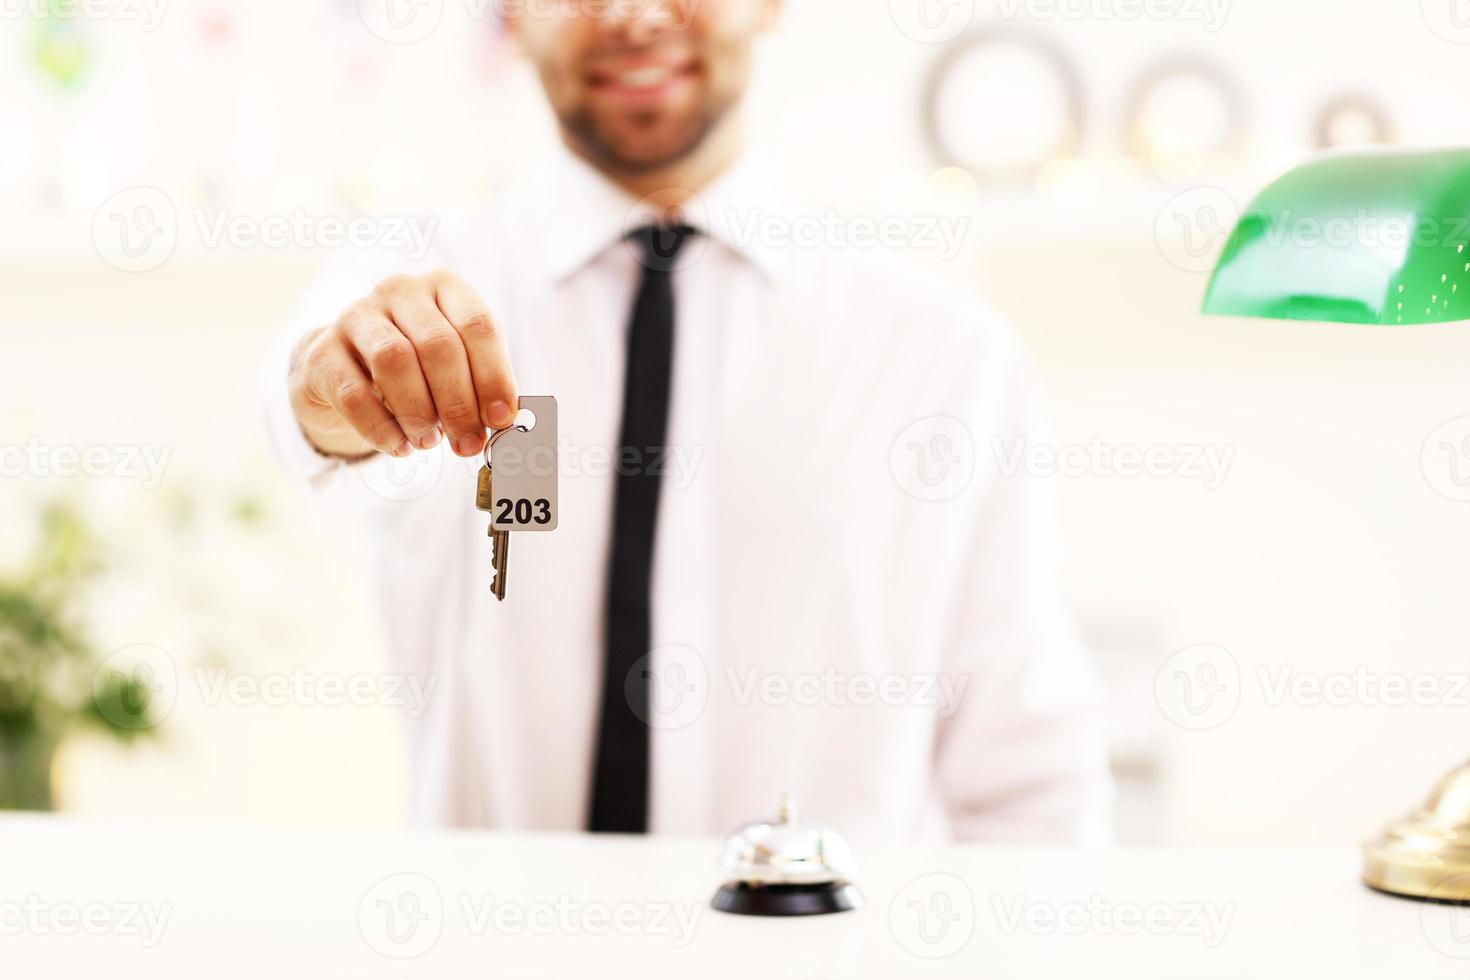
point(494, 436)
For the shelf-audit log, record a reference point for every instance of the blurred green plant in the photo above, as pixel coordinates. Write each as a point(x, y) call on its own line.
point(50, 685)
point(61, 49)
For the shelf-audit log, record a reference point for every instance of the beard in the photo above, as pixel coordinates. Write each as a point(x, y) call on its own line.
point(645, 143)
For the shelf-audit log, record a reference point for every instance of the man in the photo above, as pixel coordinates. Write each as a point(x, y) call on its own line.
point(787, 557)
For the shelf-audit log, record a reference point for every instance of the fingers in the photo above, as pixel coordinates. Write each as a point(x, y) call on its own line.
point(344, 385)
point(490, 370)
point(394, 366)
point(442, 359)
point(421, 355)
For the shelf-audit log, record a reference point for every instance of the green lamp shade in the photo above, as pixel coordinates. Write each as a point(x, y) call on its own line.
point(1367, 237)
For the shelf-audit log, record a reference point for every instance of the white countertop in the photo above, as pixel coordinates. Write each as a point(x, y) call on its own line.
point(79, 898)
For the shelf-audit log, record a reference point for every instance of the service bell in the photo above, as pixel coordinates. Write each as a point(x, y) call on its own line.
point(785, 867)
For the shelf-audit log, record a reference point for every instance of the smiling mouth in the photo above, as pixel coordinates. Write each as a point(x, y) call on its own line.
point(643, 78)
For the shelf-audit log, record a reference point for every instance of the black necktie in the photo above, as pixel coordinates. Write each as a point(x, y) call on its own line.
point(620, 781)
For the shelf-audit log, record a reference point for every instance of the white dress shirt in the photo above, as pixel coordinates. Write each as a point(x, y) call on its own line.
point(853, 601)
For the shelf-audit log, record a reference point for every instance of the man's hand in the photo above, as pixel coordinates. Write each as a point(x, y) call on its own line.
point(416, 356)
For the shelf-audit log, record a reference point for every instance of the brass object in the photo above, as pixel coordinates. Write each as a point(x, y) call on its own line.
point(1427, 854)
point(485, 491)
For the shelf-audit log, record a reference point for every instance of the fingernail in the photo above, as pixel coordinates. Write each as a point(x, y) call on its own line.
point(429, 439)
point(466, 446)
point(403, 449)
point(500, 415)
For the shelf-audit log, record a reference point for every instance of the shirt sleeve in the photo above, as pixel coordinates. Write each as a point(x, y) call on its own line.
point(1024, 758)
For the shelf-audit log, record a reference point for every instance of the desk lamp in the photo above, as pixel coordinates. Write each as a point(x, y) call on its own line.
point(1368, 238)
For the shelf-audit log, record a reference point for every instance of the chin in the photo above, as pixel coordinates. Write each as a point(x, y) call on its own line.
point(643, 141)
point(644, 159)
point(641, 150)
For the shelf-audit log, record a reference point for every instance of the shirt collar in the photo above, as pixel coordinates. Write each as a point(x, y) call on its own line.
point(582, 214)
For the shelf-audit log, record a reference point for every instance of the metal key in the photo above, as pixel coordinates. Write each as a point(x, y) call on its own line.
point(499, 540)
point(499, 557)
point(522, 495)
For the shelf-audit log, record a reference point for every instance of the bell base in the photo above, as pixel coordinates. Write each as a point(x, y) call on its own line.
point(1424, 899)
point(743, 898)
point(1420, 874)
point(1426, 855)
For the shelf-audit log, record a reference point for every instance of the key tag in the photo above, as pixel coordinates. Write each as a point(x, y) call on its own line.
point(525, 470)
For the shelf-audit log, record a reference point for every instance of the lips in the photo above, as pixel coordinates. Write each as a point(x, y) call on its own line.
point(642, 79)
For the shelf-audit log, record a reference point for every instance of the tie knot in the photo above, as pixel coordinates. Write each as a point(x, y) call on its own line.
point(660, 244)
